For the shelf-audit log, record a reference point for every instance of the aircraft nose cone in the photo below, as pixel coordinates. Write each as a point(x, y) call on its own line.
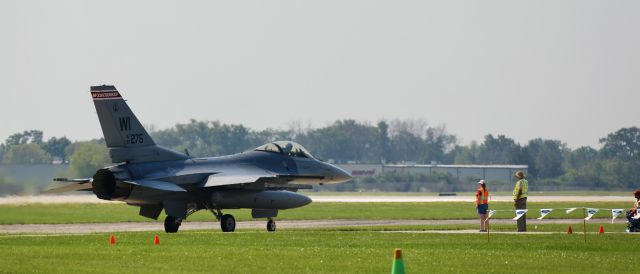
point(341, 176)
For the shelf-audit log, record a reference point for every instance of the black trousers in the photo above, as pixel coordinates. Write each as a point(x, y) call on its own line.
point(522, 222)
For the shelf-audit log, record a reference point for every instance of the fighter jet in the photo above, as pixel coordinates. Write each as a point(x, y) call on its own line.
point(155, 178)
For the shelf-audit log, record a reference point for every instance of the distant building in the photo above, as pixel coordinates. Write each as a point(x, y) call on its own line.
point(501, 173)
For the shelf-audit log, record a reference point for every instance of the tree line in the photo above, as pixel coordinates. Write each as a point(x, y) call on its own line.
point(615, 164)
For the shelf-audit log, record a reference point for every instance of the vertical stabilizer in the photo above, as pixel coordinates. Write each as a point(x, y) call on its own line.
point(120, 126)
point(125, 136)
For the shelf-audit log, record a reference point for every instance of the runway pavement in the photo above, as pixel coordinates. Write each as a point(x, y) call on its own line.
point(215, 226)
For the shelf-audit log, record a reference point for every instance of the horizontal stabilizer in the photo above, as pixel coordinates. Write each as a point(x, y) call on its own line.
point(78, 185)
point(84, 180)
point(160, 185)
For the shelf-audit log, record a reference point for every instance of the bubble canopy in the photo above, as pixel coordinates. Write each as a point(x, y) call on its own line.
point(287, 148)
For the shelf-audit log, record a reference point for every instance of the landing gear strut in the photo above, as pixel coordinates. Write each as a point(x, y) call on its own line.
point(227, 222)
point(172, 224)
point(271, 225)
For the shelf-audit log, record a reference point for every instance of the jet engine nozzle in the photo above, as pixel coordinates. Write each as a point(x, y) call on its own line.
point(106, 187)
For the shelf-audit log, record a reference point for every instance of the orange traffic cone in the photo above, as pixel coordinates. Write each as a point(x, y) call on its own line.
point(570, 231)
point(601, 230)
point(112, 240)
point(398, 265)
point(156, 240)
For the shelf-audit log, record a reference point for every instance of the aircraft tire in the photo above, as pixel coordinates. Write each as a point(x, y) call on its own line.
point(271, 225)
point(228, 223)
point(171, 224)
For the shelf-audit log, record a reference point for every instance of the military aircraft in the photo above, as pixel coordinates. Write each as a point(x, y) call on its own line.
point(154, 178)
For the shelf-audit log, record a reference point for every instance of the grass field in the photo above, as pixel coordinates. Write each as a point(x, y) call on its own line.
point(327, 250)
point(91, 213)
point(317, 251)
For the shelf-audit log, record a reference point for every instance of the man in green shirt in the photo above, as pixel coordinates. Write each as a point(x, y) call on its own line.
point(520, 193)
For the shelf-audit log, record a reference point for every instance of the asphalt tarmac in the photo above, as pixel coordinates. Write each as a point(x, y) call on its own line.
point(215, 226)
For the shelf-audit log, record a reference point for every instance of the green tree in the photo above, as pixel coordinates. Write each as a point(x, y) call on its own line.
point(407, 146)
point(56, 147)
point(545, 158)
point(466, 155)
point(500, 150)
point(620, 163)
point(87, 158)
point(437, 143)
point(209, 138)
point(580, 158)
point(26, 154)
point(343, 141)
point(26, 137)
point(384, 141)
point(623, 144)
point(329, 143)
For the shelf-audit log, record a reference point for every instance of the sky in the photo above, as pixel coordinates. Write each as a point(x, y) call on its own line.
point(565, 70)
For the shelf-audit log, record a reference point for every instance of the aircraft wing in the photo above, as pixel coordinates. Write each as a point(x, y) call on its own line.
point(237, 176)
point(252, 175)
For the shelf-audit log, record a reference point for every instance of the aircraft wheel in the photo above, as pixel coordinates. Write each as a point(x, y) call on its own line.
point(228, 223)
point(271, 225)
point(171, 224)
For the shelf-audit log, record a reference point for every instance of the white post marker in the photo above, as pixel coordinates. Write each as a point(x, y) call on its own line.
point(519, 214)
point(491, 212)
point(544, 212)
point(569, 210)
point(615, 213)
point(591, 212)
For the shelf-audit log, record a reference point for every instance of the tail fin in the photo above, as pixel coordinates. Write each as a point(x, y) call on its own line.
point(125, 136)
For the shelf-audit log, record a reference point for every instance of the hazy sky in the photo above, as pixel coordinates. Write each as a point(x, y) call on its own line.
point(567, 70)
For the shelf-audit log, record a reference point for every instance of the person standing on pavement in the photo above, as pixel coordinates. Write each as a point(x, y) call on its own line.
point(482, 204)
point(520, 193)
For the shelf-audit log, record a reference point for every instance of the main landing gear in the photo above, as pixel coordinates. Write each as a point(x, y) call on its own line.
point(172, 224)
point(227, 223)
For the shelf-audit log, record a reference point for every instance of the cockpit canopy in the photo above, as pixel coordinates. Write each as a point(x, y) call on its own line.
point(287, 148)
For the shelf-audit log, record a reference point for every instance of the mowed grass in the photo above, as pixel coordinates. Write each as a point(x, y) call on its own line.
point(317, 251)
point(120, 212)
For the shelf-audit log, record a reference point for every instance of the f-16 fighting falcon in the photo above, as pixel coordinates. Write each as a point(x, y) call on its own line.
point(154, 178)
